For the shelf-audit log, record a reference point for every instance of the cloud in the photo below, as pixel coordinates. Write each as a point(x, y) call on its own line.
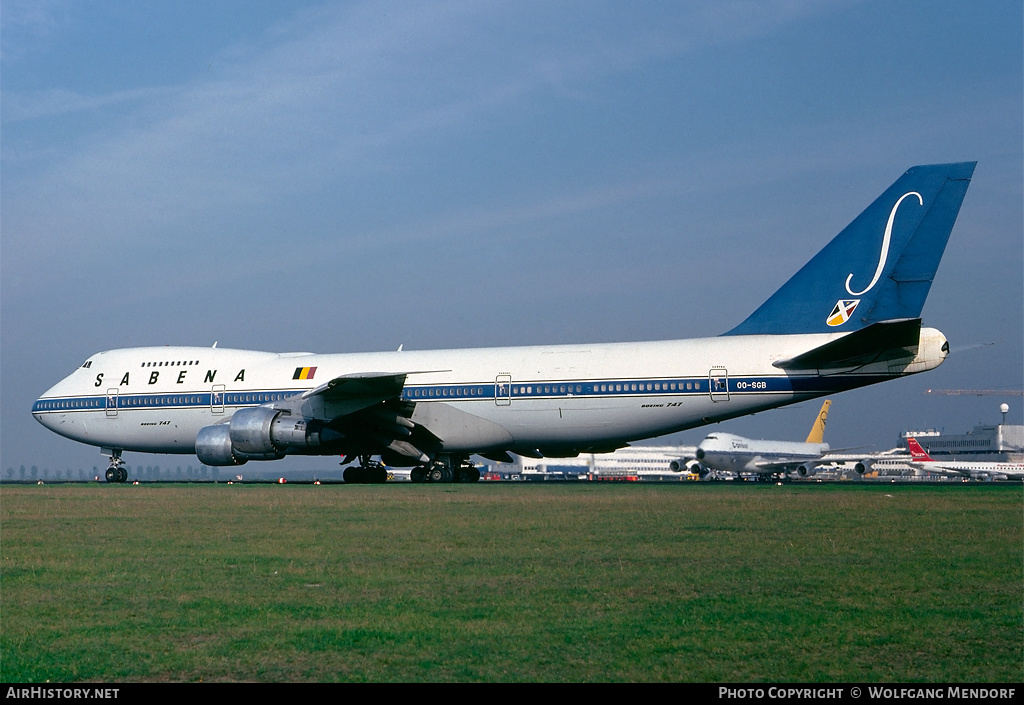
point(28, 25)
point(331, 95)
point(59, 102)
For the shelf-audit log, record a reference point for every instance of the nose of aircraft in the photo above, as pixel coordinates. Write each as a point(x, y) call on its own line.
point(44, 410)
point(50, 409)
point(52, 421)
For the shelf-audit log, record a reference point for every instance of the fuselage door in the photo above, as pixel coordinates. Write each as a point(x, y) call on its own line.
point(217, 399)
point(503, 390)
point(718, 381)
point(112, 402)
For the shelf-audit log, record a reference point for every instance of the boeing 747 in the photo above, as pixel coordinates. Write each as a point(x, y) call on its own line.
point(730, 453)
point(849, 318)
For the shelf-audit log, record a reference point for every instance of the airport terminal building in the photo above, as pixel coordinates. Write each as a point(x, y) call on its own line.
point(1000, 443)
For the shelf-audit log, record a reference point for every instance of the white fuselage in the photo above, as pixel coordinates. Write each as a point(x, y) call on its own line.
point(728, 452)
point(848, 318)
point(569, 396)
point(971, 469)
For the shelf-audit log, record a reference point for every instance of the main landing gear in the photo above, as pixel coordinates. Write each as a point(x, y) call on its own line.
point(116, 472)
point(369, 472)
point(446, 469)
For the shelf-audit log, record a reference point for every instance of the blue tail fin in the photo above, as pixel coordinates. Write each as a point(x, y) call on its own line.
point(879, 268)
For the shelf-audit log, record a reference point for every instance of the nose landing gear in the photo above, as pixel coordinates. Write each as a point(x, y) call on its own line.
point(116, 472)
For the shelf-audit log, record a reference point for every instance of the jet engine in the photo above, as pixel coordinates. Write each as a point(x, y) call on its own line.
point(805, 470)
point(213, 446)
point(256, 433)
point(688, 465)
point(862, 467)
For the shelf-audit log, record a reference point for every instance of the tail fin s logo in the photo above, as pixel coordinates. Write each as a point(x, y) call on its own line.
point(885, 248)
point(842, 312)
point(844, 307)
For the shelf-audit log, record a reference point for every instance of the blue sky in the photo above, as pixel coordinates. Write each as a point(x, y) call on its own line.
point(355, 176)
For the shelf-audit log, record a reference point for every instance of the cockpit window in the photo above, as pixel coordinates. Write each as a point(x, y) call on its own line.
point(88, 364)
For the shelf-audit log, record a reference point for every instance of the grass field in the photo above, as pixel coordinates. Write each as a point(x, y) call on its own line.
point(510, 582)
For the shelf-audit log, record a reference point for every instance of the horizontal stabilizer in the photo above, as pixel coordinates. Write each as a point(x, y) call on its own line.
point(879, 341)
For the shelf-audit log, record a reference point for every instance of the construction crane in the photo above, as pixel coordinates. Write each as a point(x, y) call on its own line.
point(978, 392)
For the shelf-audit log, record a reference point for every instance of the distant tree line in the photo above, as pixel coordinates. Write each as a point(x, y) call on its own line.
point(147, 473)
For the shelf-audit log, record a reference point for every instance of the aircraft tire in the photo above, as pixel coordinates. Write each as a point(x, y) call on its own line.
point(467, 474)
point(111, 475)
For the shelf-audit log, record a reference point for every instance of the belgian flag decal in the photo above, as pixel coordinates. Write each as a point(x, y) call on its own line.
point(304, 373)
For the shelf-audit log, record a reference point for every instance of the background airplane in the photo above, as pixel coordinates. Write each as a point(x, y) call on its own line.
point(920, 459)
point(849, 318)
point(727, 452)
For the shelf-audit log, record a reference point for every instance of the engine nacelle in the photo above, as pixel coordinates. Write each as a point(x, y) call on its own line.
point(685, 465)
point(698, 468)
point(257, 433)
point(688, 465)
point(805, 470)
point(213, 446)
point(251, 429)
point(862, 467)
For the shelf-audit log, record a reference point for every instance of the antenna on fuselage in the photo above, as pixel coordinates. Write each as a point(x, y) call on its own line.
point(215, 343)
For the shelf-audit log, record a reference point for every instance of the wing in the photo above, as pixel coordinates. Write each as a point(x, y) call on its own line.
point(784, 465)
point(349, 393)
point(363, 414)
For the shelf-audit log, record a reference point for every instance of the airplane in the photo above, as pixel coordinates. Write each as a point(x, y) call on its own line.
point(887, 462)
point(920, 459)
point(730, 453)
point(850, 317)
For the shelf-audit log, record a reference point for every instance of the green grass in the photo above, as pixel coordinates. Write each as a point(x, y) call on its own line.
point(509, 582)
